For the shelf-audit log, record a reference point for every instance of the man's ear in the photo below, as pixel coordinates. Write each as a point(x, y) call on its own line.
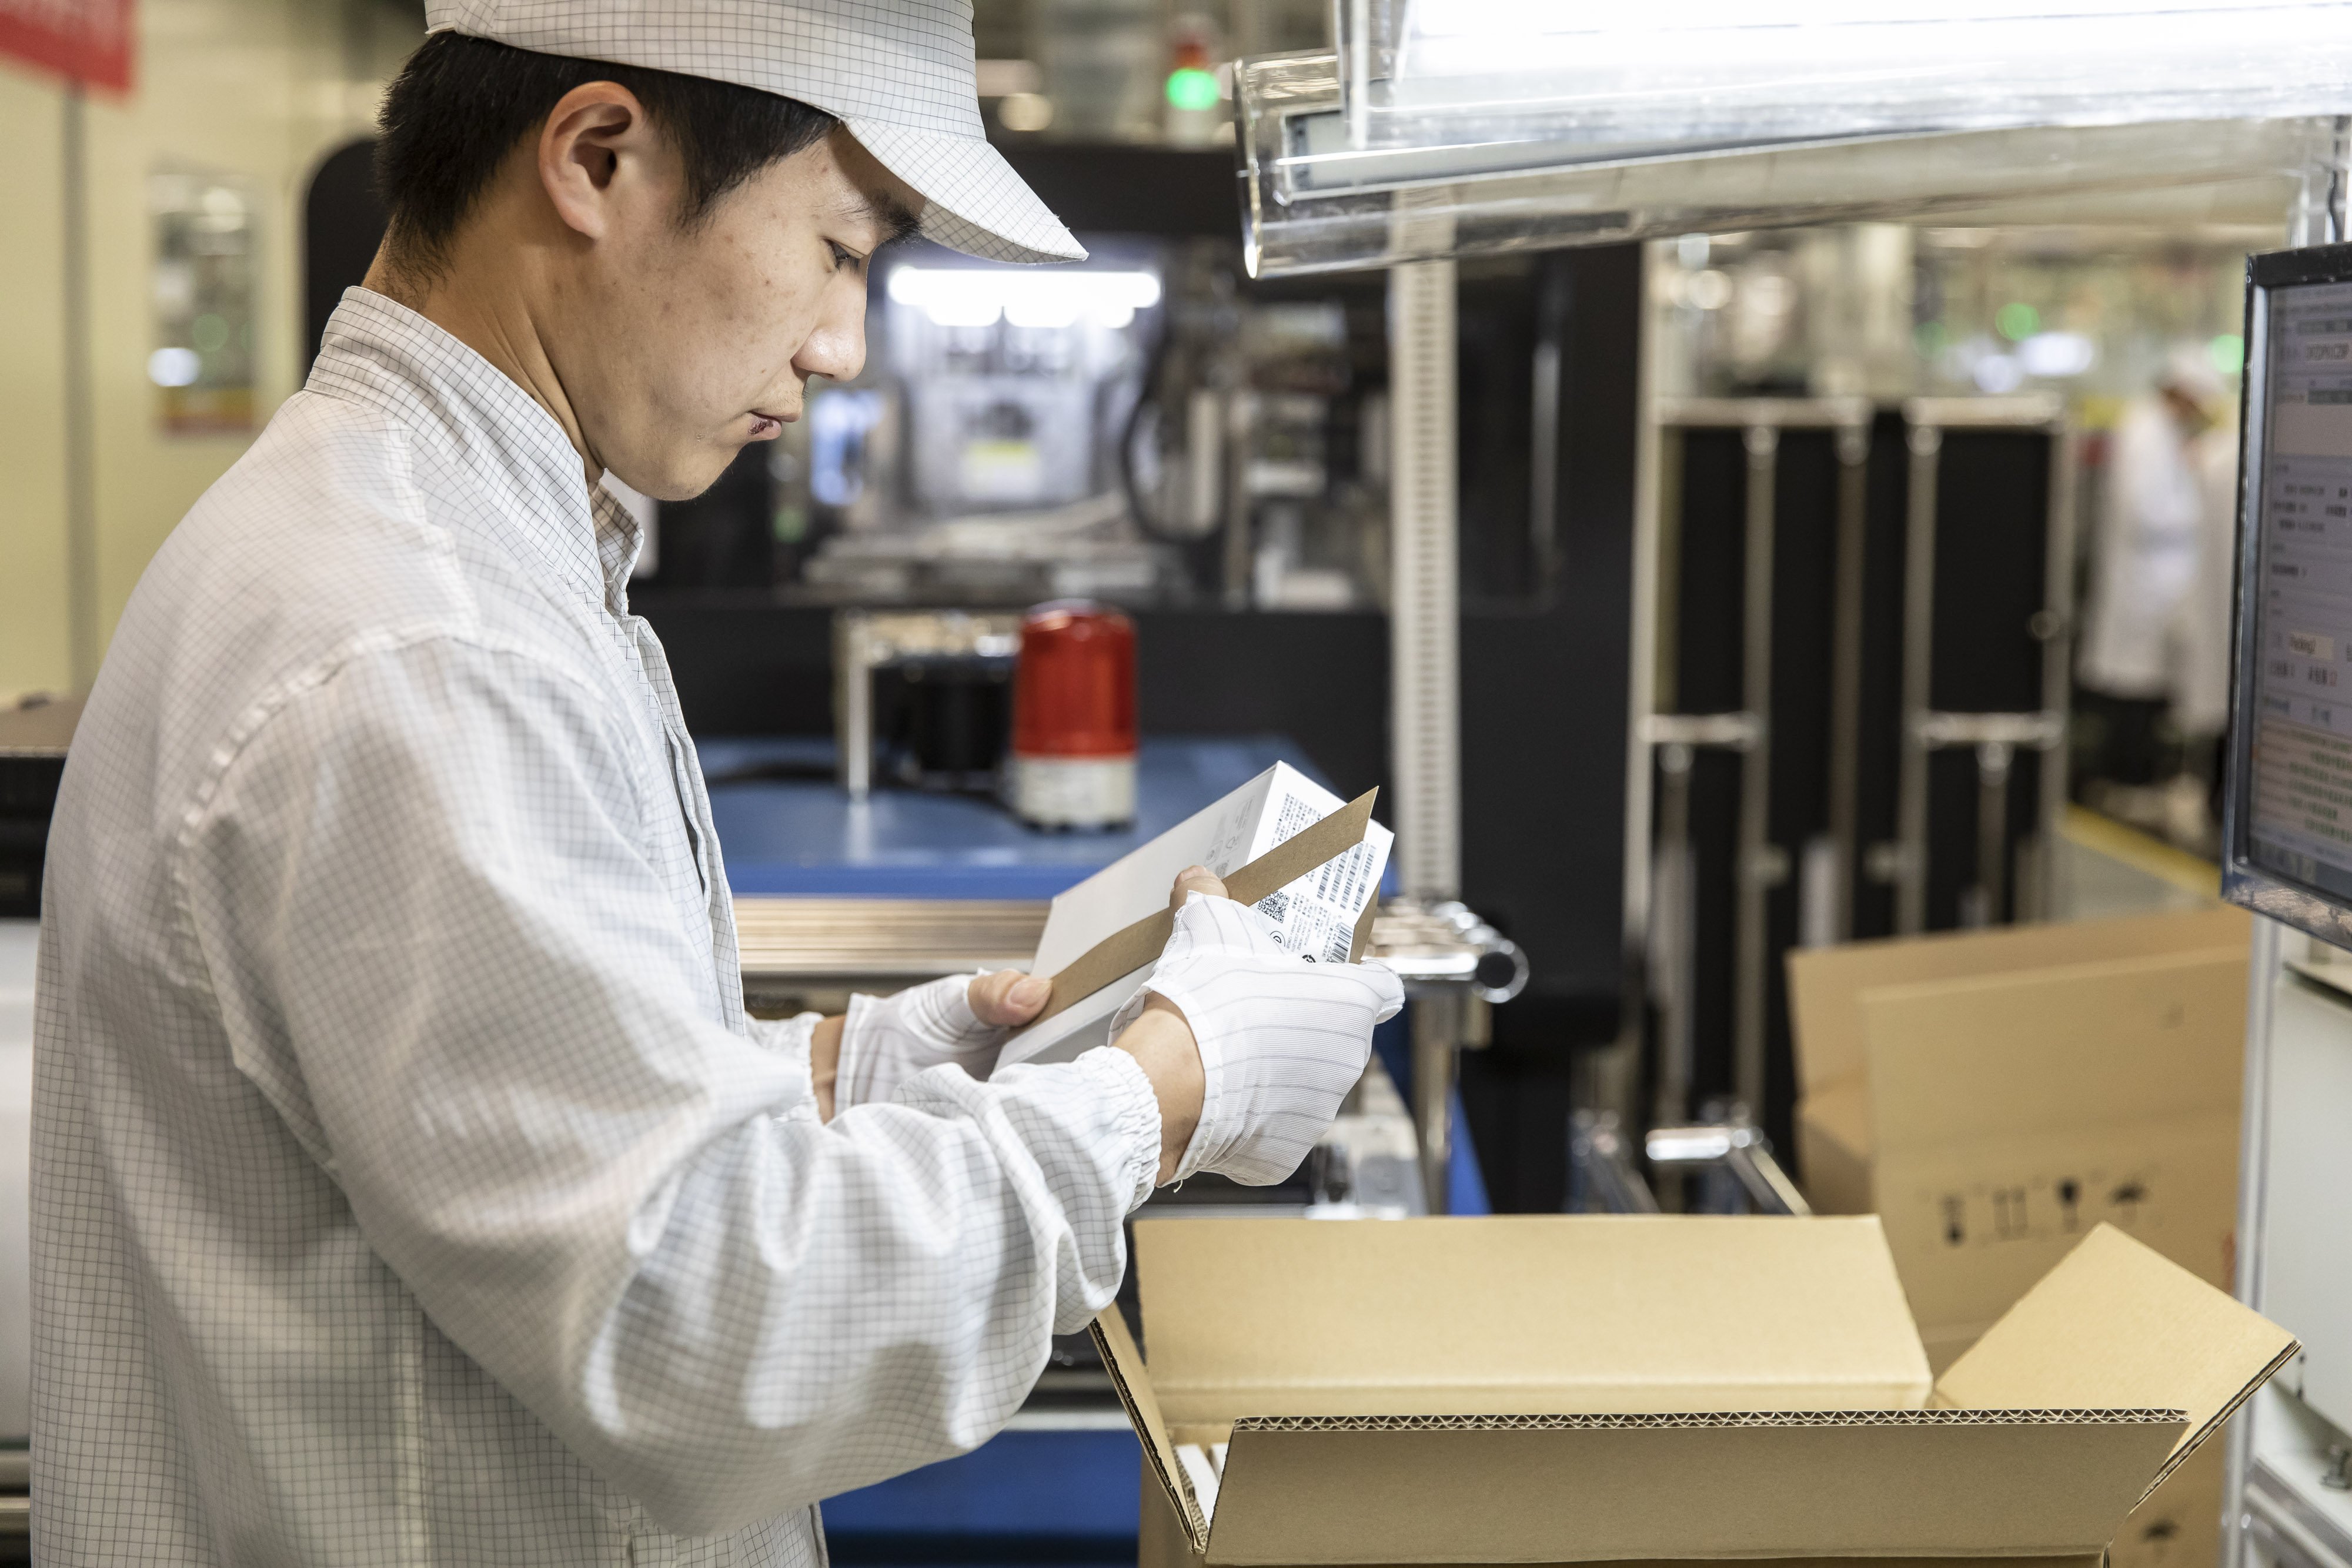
point(595, 144)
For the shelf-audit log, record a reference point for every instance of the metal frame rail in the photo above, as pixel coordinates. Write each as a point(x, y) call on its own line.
point(1667, 743)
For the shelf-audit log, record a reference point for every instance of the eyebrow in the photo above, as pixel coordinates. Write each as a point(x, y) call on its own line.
point(887, 213)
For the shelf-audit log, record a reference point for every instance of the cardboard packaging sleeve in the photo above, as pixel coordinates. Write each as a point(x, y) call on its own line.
point(1609, 1388)
point(1307, 861)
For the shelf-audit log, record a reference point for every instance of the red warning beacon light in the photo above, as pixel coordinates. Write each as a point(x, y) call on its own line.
point(1074, 717)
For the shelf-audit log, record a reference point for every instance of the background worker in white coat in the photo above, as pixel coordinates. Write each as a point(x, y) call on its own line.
point(2146, 556)
point(409, 1184)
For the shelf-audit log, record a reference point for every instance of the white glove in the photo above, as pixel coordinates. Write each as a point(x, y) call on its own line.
point(1283, 1039)
point(886, 1041)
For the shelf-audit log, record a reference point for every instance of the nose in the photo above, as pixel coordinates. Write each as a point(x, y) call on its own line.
point(836, 347)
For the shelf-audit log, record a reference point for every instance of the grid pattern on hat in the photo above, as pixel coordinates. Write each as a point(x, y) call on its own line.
point(409, 1186)
point(899, 73)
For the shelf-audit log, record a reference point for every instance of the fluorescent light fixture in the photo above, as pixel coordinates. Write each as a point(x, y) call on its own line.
point(1998, 373)
point(1037, 298)
point(173, 366)
point(2056, 354)
point(1702, 67)
point(1467, 127)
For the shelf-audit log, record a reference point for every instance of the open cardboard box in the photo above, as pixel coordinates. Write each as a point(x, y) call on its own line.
point(1992, 1095)
point(1605, 1389)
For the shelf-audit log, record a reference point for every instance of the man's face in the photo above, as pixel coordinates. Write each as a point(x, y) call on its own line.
point(685, 343)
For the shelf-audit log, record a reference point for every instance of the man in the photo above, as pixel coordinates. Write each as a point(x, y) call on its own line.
point(2145, 564)
point(409, 1184)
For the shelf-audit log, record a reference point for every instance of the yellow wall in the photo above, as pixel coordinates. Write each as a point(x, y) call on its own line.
point(34, 653)
point(257, 88)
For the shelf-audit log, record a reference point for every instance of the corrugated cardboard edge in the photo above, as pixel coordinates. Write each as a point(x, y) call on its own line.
point(1138, 944)
point(2116, 1264)
point(1683, 1418)
point(2197, 1438)
point(1825, 982)
point(1124, 1361)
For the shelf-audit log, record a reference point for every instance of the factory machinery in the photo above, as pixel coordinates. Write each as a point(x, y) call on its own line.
point(1850, 704)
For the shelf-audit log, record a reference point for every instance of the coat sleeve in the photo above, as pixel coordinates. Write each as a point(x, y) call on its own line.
point(422, 895)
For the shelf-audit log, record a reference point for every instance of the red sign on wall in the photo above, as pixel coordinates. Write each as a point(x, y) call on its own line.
point(88, 40)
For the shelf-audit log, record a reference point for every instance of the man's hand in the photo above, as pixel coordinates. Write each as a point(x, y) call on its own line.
point(1159, 1038)
point(1276, 1041)
point(1162, 1042)
point(1007, 999)
point(1195, 879)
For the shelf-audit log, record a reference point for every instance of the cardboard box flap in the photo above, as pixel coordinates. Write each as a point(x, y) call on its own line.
point(1598, 1488)
point(1523, 1314)
point(1124, 1361)
point(2116, 1324)
point(2058, 1050)
point(1841, 1112)
point(1825, 984)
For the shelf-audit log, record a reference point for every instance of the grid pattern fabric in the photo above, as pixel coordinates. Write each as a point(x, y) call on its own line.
point(410, 1186)
point(1283, 1039)
point(897, 74)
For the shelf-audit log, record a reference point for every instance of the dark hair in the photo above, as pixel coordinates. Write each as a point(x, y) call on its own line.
point(461, 104)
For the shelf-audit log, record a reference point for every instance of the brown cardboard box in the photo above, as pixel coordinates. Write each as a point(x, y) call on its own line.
point(1993, 1095)
point(1658, 1388)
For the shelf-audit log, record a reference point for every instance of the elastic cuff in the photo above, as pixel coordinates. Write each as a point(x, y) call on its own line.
point(1209, 1135)
point(941, 1012)
point(861, 1054)
point(793, 1039)
point(1134, 1108)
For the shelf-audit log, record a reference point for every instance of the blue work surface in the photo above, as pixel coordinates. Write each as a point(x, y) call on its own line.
point(1060, 1497)
point(786, 828)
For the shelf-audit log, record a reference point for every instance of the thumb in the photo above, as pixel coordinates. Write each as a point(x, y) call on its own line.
point(1008, 997)
point(1194, 879)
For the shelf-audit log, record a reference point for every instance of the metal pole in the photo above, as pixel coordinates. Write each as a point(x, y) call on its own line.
point(1240, 539)
point(1927, 442)
point(1424, 677)
point(1754, 877)
point(1611, 1075)
point(1673, 936)
point(2263, 974)
point(1425, 648)
point(852, 697)
point(1993, 760)
point(81, 413)
point(2057, 633)
point(1436, 1019)
point(1845, 669)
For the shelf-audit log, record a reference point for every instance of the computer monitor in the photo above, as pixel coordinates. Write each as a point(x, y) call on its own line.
point(2287, 807)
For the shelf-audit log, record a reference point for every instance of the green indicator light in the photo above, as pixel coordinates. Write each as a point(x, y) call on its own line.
point(2017, 320)
point(2228, 353)
point(1189, 89)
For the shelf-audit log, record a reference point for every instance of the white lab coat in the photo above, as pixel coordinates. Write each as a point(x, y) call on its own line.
point(2200, 704)
point(409, 1186)
point(2145, 558)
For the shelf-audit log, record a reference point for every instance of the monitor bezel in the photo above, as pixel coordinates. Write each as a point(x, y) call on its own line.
point(2259, 888)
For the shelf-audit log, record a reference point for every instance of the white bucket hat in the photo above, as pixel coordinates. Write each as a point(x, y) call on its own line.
point(897, 74)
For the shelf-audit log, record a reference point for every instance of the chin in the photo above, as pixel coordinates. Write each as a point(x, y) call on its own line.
point(683, 477)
